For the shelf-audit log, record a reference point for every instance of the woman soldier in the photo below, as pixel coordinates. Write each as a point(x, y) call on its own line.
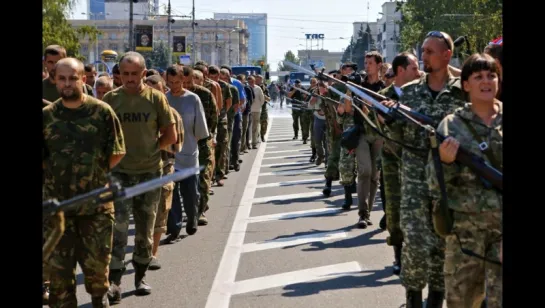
point(476, 208)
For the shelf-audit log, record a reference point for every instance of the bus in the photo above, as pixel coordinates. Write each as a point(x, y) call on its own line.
point(305, 79)
point(246, 70)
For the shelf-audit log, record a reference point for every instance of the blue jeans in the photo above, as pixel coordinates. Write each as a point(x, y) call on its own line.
point(319, 132)
point(235, 141)
point(185, 191)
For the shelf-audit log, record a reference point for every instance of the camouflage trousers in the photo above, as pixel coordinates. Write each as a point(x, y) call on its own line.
point(87, 241)
point(391, 172)
point(347, 167)
point(306, 116)
point(206, 159)
point(144, 211)
point(468, 279)
point(334, 154)
point(230, 127)
point(246, 132)
point(296, 116)
point(422, 255)
point(264, 120)
point(220, 154)
point(165, 203)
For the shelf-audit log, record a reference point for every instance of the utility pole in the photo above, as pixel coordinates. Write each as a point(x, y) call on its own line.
point(169, 33)
point(193, 36)
point(131, 33)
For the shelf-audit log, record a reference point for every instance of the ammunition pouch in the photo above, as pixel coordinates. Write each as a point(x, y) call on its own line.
point(350, 138)
point(442, 222)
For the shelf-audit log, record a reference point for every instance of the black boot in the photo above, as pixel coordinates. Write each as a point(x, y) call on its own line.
point(397, 257)
point(327, 188)
point(100, 302)
point(313, 157)
point(347, 198)
point(382, 223)
point(353, 188)
point(114, 292)
point(414, 299)
point(435, 299)
point(142, 288)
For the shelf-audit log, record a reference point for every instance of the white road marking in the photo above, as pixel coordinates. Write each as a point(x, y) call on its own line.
point(295, 240)
point(311, 274)
point(297, 214)
point(286, 151)
point(219, 297)
point(291, 183)
point(292, 172)
point(295, 163)
point(291, 196)
point(287, 156)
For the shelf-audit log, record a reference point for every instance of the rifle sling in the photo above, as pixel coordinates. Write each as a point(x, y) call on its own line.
point(482, 145)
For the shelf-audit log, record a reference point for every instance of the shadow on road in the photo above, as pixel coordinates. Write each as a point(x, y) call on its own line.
point(363, 279)
point(363, 239)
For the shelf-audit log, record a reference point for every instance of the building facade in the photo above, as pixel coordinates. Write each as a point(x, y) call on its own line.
point(362, 26)
point(257, 28)
point(388, 31)
point(215, 43)
point(320, 58)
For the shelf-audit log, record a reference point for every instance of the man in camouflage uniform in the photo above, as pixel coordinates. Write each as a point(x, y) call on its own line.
point(206, 146)
point(78, 130)
point(148, 126)
point(334, 131)
point(347, 163)
point(264, 113)
point(405, 69)
point(296, 108)
point(435, 95)
point(477, 209)
point(310, 116)
point(307, 117)
point(222, 138)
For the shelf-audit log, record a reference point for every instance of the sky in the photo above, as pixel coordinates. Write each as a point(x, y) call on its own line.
point(288, 20)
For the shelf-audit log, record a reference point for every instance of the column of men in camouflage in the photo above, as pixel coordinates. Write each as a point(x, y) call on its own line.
point(409, 189)
point(140, 125)
point(455, 99)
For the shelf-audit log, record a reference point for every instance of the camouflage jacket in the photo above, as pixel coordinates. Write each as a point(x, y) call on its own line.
point(267, 97)
point(169, 156)
point(417, 96)
point(390, 93)
point(209, 105)
point(226, 94)
point(235, 99)
point(77, 147)
point(330, 109)
point(465, 191)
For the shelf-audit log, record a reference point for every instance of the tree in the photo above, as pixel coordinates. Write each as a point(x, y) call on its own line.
point(357, 49)
point(56, 30)
point(266, 66)
point(288, 56)
point(479, 20)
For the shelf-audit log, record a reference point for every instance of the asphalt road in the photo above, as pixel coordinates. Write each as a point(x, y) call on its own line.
point(273, 240)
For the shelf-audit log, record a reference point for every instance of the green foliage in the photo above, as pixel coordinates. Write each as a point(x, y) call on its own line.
point(479, 20)
point(56, 30)
point(288, 56)
point(358, 48)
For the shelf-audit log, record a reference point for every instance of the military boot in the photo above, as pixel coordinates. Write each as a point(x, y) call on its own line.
point(100, 301)
point(382, 223)
point(353, 188)
point(142, 288)
point(414, 299)
point(397, 261)
point(327, 188)
point(435, 299)
point(114, 292)
point(313, 157)
point(347, 198)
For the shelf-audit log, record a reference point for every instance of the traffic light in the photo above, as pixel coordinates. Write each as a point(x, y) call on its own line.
point(262, 63)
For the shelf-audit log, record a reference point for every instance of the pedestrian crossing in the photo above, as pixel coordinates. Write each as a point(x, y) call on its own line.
point(285, 239)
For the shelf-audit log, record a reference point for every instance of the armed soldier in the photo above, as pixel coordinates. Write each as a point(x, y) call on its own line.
point(222, 136)
point(435, 95)
point(476, 208)
point(309, 115)
point(206, 146)
point(296, 111)
point(405, 69)
point(264, 117)
point(148, 126)
point(306, 115)
point(334, 132)
point(83, 141)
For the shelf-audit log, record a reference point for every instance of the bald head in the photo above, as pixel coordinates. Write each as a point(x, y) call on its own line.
point(71, 63)
point(133, 58)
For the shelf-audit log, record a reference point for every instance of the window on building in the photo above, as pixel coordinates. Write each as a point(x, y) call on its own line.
point(113, 36)
point(221, 36)
point(112, 47)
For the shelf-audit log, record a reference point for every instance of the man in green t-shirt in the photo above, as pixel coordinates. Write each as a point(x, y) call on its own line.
point(52, 54)
point(83, 140)
point(148, 126)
